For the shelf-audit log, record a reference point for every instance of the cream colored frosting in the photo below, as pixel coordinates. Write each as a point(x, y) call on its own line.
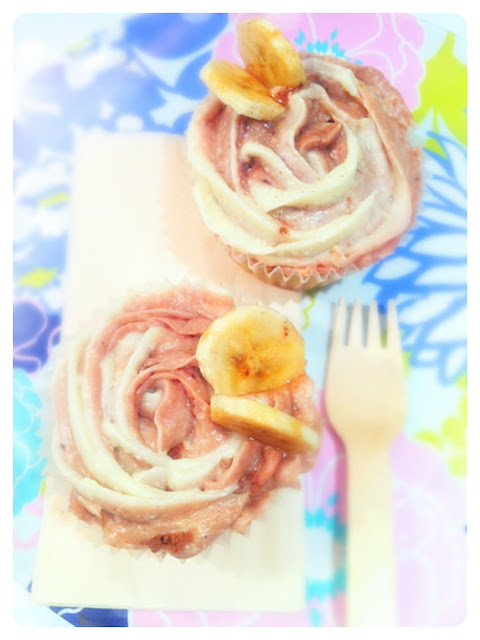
point(107, 482)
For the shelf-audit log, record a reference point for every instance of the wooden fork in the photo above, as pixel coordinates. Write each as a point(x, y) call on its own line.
point(365, 396)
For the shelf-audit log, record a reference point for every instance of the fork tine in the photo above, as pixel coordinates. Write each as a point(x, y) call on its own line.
point(339, 323)
point(355, 336)
point(373, 329)
point(393, 332)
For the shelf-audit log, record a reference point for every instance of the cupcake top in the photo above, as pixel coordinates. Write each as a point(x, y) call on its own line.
point(135, 437)
point(329, 183)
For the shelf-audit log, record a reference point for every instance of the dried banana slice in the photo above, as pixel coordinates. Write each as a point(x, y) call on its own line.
point(250, 349)
point(240, 90)
point(263, 423)
point(268, 55)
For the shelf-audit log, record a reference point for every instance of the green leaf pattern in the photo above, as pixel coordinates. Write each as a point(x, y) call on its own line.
point(443, 94)
point(451, 439)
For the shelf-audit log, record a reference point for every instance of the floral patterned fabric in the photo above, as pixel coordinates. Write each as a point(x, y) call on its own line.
point(142, 74)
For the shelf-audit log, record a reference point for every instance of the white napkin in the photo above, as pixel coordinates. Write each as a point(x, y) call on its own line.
point(134, 227)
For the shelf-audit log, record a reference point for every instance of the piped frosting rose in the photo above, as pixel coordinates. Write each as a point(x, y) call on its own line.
point(135, 441)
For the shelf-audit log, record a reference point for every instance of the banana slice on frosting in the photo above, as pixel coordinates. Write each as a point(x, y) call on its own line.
point(268, 55)
point(249, 350)
point(240, 90)
point(272, 64)
point(263, 422)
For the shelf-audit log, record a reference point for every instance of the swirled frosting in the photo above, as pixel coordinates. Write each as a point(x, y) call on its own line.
point(328, 186)
point(134, 437)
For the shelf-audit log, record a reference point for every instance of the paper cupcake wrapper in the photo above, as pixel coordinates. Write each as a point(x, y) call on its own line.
point(288, 277)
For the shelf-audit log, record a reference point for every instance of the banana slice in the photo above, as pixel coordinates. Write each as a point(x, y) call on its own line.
point(250, 349)
point(268, 55)
point(240, 90)
point(263, 423)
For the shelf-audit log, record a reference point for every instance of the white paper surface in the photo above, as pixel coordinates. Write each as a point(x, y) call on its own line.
point(135, 226)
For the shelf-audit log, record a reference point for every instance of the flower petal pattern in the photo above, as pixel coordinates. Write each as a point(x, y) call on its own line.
point(27, 463)
point(427, 273)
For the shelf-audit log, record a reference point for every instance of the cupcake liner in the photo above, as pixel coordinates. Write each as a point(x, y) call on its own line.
point(221, 546)
point(288, 277)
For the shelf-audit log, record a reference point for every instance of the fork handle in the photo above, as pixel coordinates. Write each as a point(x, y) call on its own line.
point(371, 580)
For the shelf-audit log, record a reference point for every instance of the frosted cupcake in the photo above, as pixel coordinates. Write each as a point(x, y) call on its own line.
point(302, 163)
point(170, 432)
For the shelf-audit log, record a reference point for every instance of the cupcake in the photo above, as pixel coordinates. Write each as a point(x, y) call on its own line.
point(146, 457)
point(302, 163)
